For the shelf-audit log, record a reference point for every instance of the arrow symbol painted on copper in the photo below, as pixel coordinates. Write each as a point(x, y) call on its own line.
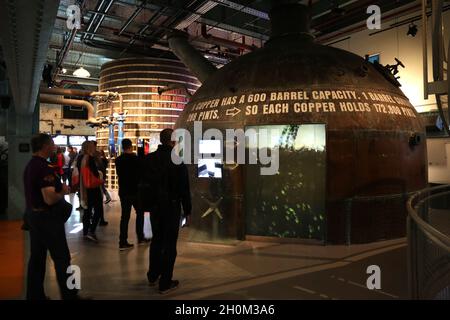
point(233, 112)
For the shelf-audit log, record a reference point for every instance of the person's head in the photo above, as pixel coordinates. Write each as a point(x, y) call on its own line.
point(127, 145)
point(70, 149)
point(42, 144)
point(63, 149)
point(102, 153)
point(165, 136)
point(85, 147)
point(75, 149)
point(92, 149)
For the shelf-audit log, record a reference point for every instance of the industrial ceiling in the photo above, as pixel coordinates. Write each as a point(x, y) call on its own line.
point(221, 29)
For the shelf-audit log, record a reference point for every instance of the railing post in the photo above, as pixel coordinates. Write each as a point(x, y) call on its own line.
point(412, 258)
point(348, 221)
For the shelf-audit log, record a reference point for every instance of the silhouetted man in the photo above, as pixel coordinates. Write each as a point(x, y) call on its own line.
point(169, 190)
point(43, 191)
point(127, 169)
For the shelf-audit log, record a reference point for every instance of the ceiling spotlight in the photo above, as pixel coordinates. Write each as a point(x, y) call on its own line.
point(81, 73)
point(412, 30)
point(64, 70)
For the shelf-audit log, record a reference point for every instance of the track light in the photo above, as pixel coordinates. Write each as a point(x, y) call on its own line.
point(412, 30)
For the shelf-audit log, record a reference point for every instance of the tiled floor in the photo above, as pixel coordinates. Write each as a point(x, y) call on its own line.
point(248, 270)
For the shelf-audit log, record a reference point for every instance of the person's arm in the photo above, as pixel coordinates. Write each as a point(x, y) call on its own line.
point(118, 167)
point(51, 196)
point(185, 192)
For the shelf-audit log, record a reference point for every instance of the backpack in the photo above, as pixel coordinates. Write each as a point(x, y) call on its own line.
point(153, 189)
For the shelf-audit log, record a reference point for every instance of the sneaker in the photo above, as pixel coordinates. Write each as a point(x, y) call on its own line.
point(103, 223)
point(91, 236)
point(144, 241)
point(151, 282)
point(107, 201)
point(126, 246)
point(173, 286)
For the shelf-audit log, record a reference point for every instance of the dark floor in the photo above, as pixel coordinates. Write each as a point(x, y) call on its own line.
point(248, 270)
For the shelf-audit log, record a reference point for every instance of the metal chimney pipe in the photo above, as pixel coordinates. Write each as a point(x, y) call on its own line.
point(194, 60)
point(289, 18)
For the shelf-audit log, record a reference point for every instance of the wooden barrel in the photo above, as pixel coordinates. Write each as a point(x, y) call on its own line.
point(147, 111)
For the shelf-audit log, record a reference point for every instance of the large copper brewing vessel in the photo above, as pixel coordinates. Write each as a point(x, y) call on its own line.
point(375, 152)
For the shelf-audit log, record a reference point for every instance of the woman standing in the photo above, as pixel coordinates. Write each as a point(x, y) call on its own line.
point(104, 166)
point(90, 189)
point(60, 161)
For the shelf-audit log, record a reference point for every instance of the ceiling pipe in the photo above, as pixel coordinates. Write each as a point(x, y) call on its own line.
point(97, 8)
point(102, 17)
point(72, 102)
point(132, 17)
point(194, 60)
point(225, 42)
point(83, 93)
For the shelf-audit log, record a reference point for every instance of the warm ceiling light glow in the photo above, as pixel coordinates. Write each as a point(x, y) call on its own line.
point(81, 73)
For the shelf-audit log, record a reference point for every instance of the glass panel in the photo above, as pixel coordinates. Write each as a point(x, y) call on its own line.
point(76, 140)
point(60, 140)
point(291, 203)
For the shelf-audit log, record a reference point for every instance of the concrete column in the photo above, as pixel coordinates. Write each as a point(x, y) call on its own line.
point(20, 130)
point(3, 122)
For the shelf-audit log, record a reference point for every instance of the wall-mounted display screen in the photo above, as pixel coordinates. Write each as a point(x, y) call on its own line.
point(209, 146)
point(210, 168)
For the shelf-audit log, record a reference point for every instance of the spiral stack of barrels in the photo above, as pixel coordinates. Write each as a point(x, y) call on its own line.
point(147, 111)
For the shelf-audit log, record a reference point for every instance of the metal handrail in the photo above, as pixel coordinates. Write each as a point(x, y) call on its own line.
point(428, 248)
point(413, 203)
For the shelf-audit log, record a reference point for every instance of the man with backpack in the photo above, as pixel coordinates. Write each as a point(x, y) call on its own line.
point(167, 190)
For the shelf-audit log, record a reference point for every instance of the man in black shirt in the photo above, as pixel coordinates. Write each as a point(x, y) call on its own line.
point(43, 190)
point(169, 191)
point(127, 169)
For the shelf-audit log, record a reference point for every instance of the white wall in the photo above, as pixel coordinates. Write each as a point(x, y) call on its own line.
point(54, 112)
point(438, 160)
point(394, 43)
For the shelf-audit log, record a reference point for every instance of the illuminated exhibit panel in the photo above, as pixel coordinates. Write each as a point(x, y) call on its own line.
point(292, 202)
point(351, 144)
point(147, 111)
